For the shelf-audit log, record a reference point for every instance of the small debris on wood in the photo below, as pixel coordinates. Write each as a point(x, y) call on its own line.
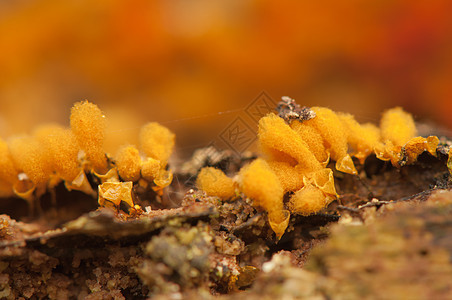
point(289, 110)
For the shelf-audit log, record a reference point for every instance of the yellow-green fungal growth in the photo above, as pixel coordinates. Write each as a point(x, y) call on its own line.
point(259, 183)
point(156, 141)
point(128, 163)
point(88, 124)
point(397, 126)
point(215, 183)
point(62, 148)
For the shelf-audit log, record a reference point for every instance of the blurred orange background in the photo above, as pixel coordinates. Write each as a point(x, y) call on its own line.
point(194, 65)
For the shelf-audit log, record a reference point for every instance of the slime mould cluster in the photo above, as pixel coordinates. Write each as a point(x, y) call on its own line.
point(220, 239)
point(33, 164)
point(296, 148)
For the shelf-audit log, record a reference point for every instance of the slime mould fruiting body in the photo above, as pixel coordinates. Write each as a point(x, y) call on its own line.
point(295, 153)
point(30, 165)
point(296, 147)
